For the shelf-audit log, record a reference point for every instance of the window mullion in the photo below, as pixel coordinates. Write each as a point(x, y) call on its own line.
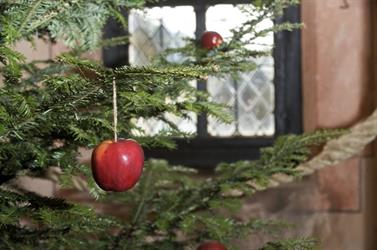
point(236, 111)
point(200, 14)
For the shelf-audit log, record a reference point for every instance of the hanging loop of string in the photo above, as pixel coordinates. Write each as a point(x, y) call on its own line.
point(115, 111)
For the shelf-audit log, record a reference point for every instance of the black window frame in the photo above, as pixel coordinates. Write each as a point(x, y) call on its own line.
point(206, 151)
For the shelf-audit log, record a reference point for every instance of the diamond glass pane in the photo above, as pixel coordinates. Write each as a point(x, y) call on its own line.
point(255, 101)
point(152, 31)
point(222, 90)
point(251, 95)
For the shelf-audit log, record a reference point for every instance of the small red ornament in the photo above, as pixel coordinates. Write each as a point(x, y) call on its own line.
point(211, 245)
point(211, 39)
point(117, 165)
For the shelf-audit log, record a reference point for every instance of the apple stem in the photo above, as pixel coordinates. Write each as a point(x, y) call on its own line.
point(115, 110)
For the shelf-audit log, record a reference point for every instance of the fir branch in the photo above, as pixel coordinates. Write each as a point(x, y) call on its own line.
point(29, 15)
point(115, 41)
point(198, 199)
point(292, 244)
point(196, 72)
point(130, 72)
point(126, 232)
point(235, 55)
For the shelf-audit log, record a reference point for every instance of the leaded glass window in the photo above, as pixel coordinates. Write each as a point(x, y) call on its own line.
point(264, 103)
point(154, 30)
point(250, 96)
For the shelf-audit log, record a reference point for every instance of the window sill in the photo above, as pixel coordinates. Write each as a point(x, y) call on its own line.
point(206, 153)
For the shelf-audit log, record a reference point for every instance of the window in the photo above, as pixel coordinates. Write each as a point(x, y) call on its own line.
point(265, 103)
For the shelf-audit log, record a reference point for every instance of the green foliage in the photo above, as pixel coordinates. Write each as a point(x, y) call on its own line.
point(11, 61)
point(77, 22)
point(43, 223)
point(235, 54)
point(172, 205)
point(292, 244)
point(51, 108)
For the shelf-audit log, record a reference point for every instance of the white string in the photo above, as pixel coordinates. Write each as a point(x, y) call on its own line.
point(115, 110)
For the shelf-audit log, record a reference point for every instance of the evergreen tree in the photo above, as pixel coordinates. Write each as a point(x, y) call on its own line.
point(69, 100)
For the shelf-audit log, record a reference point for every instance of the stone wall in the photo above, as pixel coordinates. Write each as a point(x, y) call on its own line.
point(336, 205)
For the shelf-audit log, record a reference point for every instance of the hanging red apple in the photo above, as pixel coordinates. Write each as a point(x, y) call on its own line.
point(211, 245)
point(117, 165)
point(211, 39)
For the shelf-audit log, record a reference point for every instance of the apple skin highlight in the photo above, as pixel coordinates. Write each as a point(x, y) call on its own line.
point(211, 39)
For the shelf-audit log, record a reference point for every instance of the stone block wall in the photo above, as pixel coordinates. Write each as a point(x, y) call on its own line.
point(337, 204)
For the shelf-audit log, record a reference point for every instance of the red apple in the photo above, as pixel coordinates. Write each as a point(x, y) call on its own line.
point(211, 245)
point(211, 39)
point(117, 166)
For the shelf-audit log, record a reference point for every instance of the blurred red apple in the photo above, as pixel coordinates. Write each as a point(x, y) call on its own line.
point(211, 245)
point(211, 39)
point(117, 166)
